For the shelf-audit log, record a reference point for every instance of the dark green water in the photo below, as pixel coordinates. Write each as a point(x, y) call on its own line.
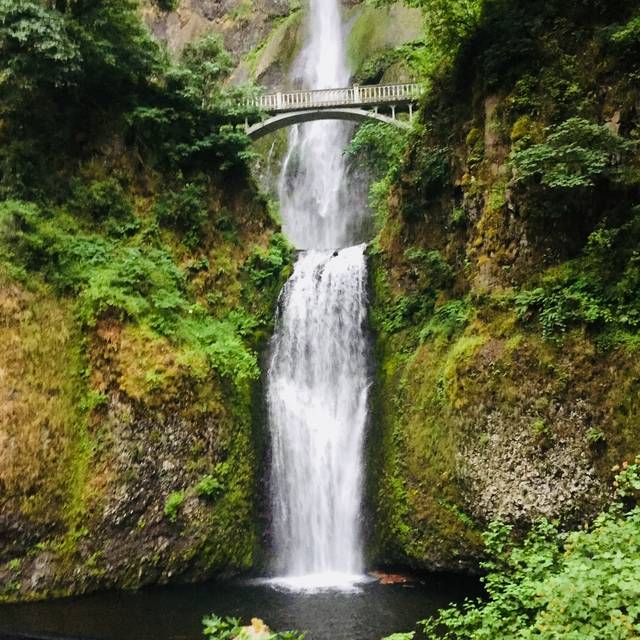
point(175, 613)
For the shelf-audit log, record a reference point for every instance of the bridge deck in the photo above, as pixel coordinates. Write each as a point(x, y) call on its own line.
point(356, 96)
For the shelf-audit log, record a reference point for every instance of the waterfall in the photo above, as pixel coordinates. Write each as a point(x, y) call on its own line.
point(317, 387)
point(319, 209)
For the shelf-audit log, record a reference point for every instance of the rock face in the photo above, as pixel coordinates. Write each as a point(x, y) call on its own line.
point(487, 408)
point(265, 36)
point(127, 461)
point(243, 25)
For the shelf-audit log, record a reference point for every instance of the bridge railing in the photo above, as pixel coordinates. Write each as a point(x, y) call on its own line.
point(353, 96)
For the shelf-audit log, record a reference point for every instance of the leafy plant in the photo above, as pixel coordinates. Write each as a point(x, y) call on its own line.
point(577, 585)
point(626, 38)
point(264, 265)
point(627, 481)
point(448, 320)
point(168, 5)
point(185, 210)
point(208, 487)
point(448, 25)
point(129, 282)
point(172, 505)
point(575, 155)
point(599, 289)
point(377, 148)
point(37, 49)
point(217, 628)
point(101, 199)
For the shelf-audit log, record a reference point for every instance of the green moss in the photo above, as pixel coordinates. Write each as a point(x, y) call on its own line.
point(376, 30)
point(279, 47)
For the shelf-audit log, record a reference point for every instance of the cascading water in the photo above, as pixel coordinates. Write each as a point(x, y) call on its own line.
point(317, 380)
point(319, 209)
point(318, 407)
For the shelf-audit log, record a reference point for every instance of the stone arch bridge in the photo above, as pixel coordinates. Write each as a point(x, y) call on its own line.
point(380, 102)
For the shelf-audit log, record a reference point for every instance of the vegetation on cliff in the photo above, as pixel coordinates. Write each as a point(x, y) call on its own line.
point(505, 278)
point(577, 585)
point(139, 273)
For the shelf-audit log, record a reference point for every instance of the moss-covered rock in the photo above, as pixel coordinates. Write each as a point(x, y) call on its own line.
point(489, 406)
point(105, 416)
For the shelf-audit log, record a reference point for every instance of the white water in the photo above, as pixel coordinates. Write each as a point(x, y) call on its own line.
point(317, 390)
point(319, 209)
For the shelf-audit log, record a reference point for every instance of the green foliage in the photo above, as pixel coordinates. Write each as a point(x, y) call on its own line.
point(266, 265)
point(429, 178)
point(575, 154)
point(372, 70)
point(377, 148)
point(36, 48)
point(209, 487)
point(101, 199)
point(600, 289)
point(168, 5)
point(186, 210)
point(140, 284)
point(401, 636)
point(191, 124)
point(448, 320)
point(627, 481)
point(430, 273)
point(172, 505)
point(98, 70)
point(577, 585)
point(204, 65)
point(217, 628)
point(447, 27)
point(626, 39)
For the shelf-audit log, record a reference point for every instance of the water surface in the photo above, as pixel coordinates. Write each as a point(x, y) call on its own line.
point(175, 613)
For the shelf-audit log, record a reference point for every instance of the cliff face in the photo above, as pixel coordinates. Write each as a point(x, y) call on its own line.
point(127, 458)
point(504, 305)
point(264, 37)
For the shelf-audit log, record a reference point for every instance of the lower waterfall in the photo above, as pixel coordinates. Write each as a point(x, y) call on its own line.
point(317, 399)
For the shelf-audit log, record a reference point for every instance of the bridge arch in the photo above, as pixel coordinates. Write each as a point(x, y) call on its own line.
point(290, 118)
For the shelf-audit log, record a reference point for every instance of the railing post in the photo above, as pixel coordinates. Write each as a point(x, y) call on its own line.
point(356, 93)
point(279, 100)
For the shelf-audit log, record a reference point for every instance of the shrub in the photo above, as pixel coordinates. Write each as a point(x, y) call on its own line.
point(448, 320)
point(172, 505)
point(168, 5)
point(435, 170)
point(186, 211)
point(263, 266)
point(101, 199)
point(575, 154)
point(36, 48)
point(208, 487)
point(377, 148)
point(626, 40)
point(577, 585)
point(600, 289)
point(430, 273)
point(131, 283)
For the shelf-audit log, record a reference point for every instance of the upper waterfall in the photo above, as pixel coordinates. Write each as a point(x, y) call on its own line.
point(319, 210)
